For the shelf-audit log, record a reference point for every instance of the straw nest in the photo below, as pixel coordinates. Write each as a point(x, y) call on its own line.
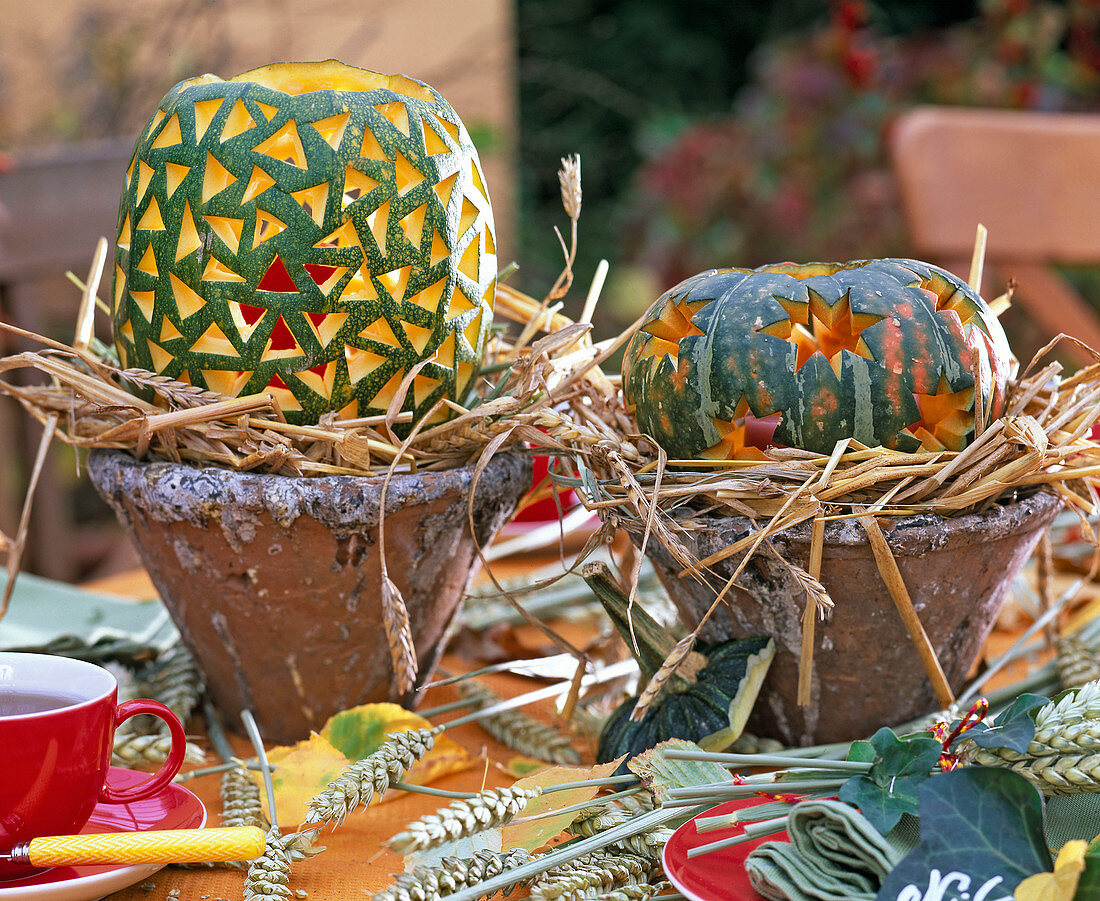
point(541, 386)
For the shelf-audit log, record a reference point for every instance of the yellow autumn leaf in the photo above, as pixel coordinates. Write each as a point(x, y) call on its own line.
point(305, 769)
point(529, 833)
point(300, 772)
point(361, 730)
point(1061, 885)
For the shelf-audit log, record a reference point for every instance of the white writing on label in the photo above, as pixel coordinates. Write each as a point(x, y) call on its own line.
point(952, 887)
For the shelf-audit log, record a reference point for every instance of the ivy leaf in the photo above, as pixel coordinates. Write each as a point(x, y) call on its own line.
point(981, 833)
point(1014, 728)
point(863, 751)
point(889, 790)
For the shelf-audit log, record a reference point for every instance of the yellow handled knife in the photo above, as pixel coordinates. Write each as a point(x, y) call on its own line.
point(164, 846)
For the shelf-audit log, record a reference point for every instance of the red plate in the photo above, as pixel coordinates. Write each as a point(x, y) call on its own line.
point(173, 808)
point(719, 875)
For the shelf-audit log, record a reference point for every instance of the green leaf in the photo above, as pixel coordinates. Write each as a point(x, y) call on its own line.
point(659, 774)
point(981, 834)
point(902, 757)
point(863, 751)
point(889, 790)
point(882, 808)
point(1014, 728)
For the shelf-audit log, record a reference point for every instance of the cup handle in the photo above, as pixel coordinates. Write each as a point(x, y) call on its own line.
point(168, 769)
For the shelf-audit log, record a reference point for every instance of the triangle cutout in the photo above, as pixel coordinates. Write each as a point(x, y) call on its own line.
point(169, 135)
point(229, 230)
point(362, 363)
point(151, 218)
point(145, 175)
point(148, 263)
point(277, 279)
point(356, 185)
point(285, 146)
point(381, 331)
point(359, 288)
point(214, 341)
point(397, 114)
point(344, 236)
point(313, 201)
point(332, 129)
point(238, 122)
point(217, 271)
point(205, 110)
point(189, 240)
point(267, 226)
point(258, 182)
point(188, 302)
point(175, 176)
point(215, 179)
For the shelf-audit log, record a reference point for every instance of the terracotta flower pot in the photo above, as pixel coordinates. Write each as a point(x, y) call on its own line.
point(274, 581)
point(867, 673)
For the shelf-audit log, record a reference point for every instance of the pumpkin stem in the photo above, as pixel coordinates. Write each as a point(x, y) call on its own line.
point(648, 641)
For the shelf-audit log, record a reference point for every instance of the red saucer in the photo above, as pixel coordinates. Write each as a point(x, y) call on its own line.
point(719, 875)
point(173, 808)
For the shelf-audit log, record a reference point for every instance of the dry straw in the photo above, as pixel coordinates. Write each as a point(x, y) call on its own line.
point(542, 385)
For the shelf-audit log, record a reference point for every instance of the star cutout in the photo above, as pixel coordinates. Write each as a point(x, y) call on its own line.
point(947, 417)
point(743, 436)
point(831, 331)
point(673, 324)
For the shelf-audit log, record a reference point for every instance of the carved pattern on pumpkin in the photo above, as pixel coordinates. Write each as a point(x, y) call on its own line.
point(317, 245)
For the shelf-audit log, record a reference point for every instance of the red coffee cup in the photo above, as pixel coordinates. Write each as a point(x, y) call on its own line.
point(57, 723)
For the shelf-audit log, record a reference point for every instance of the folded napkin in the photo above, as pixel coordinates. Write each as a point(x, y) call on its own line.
point(834, 855)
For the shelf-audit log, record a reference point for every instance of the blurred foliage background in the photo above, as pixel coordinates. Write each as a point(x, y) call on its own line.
point(737, 133)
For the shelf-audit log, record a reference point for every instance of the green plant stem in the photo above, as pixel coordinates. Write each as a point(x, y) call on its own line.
point(684, 798)
point(585, 783)
point(566, 853)
point(614, 671)
point(751, 831)
point(215, 731)
point(220, 768)
point(583, 805)
point(756, 760)
point(428, 790)
point(261, 754)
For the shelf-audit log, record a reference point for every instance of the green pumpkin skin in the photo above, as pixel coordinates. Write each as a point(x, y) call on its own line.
point(733, 357)
point(365, 189)
point(698, 711)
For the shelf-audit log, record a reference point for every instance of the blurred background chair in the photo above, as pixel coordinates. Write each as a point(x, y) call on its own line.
point(55, 204)
point(1033, 179)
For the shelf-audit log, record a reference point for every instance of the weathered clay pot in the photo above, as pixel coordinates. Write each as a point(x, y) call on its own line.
point(274, 581)
point(867, 672)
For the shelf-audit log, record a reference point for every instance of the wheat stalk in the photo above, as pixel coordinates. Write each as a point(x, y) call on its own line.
point(133, 749)
point(1077, 662)
point(241, 805)
point(428, 883)
point(359, 782)
point(518, 730)
point(269, 874)
point(462, 818)
point(1063, 756)
point(591, 875)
